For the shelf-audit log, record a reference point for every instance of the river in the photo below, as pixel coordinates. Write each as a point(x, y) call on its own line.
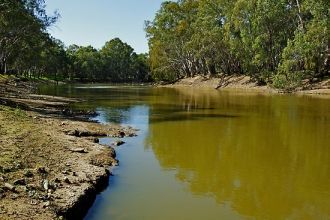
point(207, 154)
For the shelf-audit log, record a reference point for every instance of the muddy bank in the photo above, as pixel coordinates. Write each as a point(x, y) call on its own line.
point(248, 84)
point(18, 93)
point(51, 164)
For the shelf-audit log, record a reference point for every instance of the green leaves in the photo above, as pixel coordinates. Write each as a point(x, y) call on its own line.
point(261, 38)
point(115, 62)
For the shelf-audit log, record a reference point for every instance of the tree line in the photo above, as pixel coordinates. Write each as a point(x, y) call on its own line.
point(274, 41)
point(27, 49)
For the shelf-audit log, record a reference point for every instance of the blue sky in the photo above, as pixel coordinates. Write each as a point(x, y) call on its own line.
point(93, 22)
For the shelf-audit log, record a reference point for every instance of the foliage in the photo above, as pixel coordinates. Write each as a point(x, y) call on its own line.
point(26, 49)
point(283, 40)
point(288, 81)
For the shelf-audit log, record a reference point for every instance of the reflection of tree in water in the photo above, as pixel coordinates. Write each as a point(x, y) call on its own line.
point(267, 165)
point(119, 115)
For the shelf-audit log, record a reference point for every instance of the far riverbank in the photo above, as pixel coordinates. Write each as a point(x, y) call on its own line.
point(246, 83)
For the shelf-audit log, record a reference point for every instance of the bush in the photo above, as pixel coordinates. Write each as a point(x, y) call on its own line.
point(288, 81)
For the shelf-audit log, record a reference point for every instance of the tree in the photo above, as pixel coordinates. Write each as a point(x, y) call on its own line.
point(270, 40)
point(21, 23)
point(116, 56)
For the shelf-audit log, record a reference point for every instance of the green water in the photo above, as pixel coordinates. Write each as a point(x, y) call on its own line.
point(206, 154)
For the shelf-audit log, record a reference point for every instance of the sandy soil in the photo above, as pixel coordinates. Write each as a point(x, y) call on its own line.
point(246, 83)
point(51, 164)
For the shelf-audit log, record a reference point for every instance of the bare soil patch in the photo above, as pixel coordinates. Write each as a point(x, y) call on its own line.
point(246, 83)
point(51, 164)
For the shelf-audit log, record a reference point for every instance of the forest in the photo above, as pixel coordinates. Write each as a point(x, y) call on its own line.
point(278, 42)
point(28, 50)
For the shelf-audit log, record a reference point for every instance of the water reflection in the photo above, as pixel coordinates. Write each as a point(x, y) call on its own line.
point(258, 156)
point(270, 163)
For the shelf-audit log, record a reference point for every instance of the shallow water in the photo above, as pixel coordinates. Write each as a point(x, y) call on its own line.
point(206, 154)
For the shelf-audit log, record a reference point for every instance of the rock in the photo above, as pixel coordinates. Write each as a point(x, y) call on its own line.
point(79, 150)
point(46, 204)
point(121, 134)
point(96, 140)
point(66, 180)
point(21, 182)
point(32, 193)
point(42, 170)
point(49, 195)
point(21, 189)
point(34, 202)
point(56, 180)
point(73, 133)
point(2, 179)
point(115, 163)
point(14, 196)
point(9, 187)
point(46, 184)
point(31, 186)
point(118, 143)
point(74, 174)
point(28, 174)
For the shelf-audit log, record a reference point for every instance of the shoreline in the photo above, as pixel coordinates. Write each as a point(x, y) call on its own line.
point(51, 163)
point(245, 83)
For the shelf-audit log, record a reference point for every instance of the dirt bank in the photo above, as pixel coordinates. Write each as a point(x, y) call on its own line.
point(51, 164)
point(247, 83)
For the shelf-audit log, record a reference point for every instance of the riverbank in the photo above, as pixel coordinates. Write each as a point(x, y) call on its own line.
point(246, 83)
point(51, 164)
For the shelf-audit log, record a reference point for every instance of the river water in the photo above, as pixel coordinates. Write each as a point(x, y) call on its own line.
point(207, 154)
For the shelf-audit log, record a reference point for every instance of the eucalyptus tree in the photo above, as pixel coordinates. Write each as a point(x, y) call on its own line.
point(307, 55)
point(168, 34)
point(116, 57)
point(21, 22)
point(271, 40)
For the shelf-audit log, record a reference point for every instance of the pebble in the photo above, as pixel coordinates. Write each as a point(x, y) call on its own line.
point(56, 180)
point(31, 193)
point(21, 182)
point(42, 170)
point(96, 140)
point(66, 180)
point(79, 150)
point(46, 185)
point(21, 189)
point(28, 174)
point(46, 204)
point(118, 143)
point(34, 202)
point(31, 186)
point(115, 163)
point(10, 187)
point(14, 196)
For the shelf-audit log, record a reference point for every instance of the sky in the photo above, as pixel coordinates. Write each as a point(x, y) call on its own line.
point(93, 22)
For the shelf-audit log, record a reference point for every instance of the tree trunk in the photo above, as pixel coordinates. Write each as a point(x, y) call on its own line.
point(300, 15)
